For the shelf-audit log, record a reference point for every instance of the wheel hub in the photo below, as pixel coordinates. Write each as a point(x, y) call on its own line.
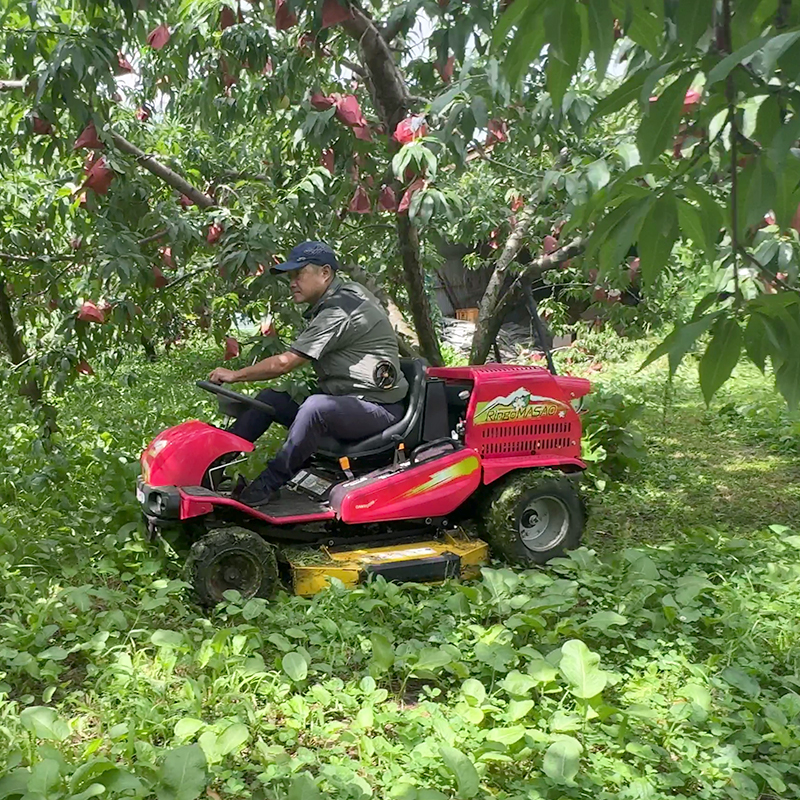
point(543, 523)
point(237, 570)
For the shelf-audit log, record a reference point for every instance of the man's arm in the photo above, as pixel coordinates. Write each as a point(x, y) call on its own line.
point(272, 367)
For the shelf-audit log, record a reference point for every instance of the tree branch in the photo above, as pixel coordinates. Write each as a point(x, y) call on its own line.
point(30, 259)
point(167, 175)
point(771, 275)
point(10, 86)
point(730, 94)
point(353, 67)
point(481, 340)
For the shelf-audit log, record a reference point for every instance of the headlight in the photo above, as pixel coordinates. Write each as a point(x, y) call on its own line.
point(163, 504)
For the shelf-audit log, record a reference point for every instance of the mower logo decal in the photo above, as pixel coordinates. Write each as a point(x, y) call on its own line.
point(443, 476)
point(518, 405)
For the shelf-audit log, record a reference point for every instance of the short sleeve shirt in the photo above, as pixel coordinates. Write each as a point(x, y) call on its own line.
point(352, 345)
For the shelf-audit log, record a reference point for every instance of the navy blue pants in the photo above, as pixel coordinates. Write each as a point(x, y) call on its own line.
point(341, 417)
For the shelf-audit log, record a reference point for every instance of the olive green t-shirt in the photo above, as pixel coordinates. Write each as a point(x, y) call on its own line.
point(352, 345)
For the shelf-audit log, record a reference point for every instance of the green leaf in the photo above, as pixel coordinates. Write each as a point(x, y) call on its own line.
point(711, 219)
point(188, 726)
point(167, 638)
point(647, 25)
point(620, 238)
point(691, 224)
point(528, 40)
point(786, 135)
point(724, 67)
point(562, 26)
point(444, 99)
point(755, 341)
point(679, 342)
point(741, 681)
point(579, 666)
point(382, 652)
point(787, 195)
point(463, 769)
point(760, 195)
point(506, 736)
point(787, 379)
point(183, 774)
point(562, 760)
point(694, 18)
point(622, 96)
point(304, 788)
point(657, 237)
point(601, 34)
point(721, 356)
point(660, 122)
point(518, 684)
point(771, 776)
point(233, 738)
point(54, 654)
point(44, 723)
point(598, 175)
point(603, 620)
point(509, 18)
point(480, 112)
point(432, 659)
point(775, 48)
point(474, 690)
point(295, 666)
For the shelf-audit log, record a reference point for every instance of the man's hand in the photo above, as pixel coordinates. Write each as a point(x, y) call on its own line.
point(222, 375)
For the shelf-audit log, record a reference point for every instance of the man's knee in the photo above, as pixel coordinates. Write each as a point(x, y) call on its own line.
point(315, 410)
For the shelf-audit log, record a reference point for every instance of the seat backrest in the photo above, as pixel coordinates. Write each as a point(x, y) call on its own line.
point(414, 371)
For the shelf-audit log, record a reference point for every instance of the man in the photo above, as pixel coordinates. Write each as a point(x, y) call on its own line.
point(353, 349)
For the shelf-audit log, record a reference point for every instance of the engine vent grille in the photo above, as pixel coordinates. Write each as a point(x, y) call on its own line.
point(525, 438)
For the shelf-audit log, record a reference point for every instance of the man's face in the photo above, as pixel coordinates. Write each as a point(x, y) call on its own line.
point(309, 283)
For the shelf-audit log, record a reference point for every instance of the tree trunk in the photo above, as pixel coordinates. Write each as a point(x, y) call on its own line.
point(415, 286)
point(483, 337)
point(392, 101)
point(480, 349)
point(12, 342)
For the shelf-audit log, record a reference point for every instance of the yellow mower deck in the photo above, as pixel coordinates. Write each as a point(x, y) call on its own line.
point(453, 556)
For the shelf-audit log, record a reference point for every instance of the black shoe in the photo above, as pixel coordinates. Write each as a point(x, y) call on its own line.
point(255, 494)
point(241, 484)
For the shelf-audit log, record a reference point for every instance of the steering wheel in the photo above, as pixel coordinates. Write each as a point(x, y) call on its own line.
point(229, 394)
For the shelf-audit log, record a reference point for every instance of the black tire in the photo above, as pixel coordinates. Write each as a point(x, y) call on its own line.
point(532, 517)
point(232, 558)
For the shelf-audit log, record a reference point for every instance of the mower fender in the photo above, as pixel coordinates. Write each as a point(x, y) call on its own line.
point(180, 456)
point(432, 488)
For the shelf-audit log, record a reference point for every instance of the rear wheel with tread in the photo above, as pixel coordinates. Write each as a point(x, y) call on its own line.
point(532, 517)
point(232, 558)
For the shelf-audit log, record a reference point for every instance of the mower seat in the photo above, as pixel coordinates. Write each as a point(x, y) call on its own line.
point(407, 429)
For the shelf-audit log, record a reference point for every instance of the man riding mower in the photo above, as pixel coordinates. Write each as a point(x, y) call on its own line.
point(379, 469)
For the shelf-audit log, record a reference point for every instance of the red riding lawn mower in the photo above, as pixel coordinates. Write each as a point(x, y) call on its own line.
point(497, 444)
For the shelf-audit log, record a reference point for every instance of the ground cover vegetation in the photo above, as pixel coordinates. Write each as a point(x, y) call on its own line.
point(660, 660)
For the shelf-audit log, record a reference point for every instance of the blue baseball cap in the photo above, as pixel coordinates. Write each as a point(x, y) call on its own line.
point(308, 253)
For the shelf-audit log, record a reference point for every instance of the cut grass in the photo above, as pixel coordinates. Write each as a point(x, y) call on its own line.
point(703, 467)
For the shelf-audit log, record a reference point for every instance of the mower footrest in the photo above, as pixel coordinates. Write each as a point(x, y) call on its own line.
point(419, 570)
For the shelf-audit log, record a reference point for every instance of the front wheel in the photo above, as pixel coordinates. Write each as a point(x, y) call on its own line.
point(232, 558)
point(533, 517)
